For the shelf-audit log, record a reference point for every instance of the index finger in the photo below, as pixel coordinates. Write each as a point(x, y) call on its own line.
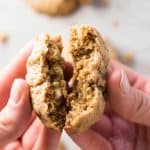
point(15, 69)
point(134, 78)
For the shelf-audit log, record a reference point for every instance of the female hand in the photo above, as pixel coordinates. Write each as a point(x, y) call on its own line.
point(125, 124)
point(19, 127)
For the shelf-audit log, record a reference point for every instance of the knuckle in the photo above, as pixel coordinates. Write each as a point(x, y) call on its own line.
point(6, 124)
point(141, 106)
point(6, 130)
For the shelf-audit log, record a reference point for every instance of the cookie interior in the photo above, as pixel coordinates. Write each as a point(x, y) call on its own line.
point(89, 78)
point(46, 79)
point(57, 110)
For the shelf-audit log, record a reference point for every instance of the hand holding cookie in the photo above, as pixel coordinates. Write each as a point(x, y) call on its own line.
point(125, 122)
point(18, 123)
point(80, 107)
point(122, 125)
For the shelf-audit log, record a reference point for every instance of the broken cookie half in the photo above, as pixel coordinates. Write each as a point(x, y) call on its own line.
point(76, 110)
point(90, 57)
point(46, 80)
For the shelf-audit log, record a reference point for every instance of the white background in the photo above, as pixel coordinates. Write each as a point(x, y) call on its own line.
point(133, 32)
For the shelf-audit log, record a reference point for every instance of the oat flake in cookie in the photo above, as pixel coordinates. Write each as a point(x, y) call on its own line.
point(91, 59)
point(54, 7)
point(46, 80)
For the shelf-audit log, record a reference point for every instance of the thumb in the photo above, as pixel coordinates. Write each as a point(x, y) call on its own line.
point(15, 116)
point(127, 101)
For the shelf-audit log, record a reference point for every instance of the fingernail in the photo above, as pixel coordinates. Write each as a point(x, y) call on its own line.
point(124, 83)
point(16, 91)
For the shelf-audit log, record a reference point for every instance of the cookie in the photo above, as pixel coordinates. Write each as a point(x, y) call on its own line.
point(85, 2)
point(54, 7)
point(76, 109)
point(3, 38)
point(46, 81)
point(86, 99)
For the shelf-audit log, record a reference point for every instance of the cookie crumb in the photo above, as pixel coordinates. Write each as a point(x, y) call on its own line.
point(113, 50)
point(128, 58)
point(104, 3)
point(115, 53)
point(114, 23)
point(3, 37)
point(61, 146)
point(85, 2)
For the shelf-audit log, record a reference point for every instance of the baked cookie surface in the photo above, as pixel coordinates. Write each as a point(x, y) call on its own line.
point(46, 81)
point(54, 7)
point(91, 59)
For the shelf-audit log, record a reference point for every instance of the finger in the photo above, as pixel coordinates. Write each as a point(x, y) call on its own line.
point(91, 140)
point(147, 131)
point(13, 146)
point(15, 116)
point(47, 139)
point(127, 101)
point(68, 71)
point(103, 126)
point(108, 110)
point(33, 131)
point(133, 77)
point(141, 141)
point(124, 134)
point(16, 69)
point(147, 87)
point(19, 61)
point(32, 118)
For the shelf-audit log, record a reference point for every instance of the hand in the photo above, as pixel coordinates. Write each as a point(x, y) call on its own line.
point(125, 124)
point(19, 126)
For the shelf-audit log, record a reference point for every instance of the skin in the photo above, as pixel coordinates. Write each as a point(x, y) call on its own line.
point(22, 129)
point(125, 123)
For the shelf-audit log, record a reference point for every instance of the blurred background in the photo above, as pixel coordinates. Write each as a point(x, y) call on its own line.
point(124, 23)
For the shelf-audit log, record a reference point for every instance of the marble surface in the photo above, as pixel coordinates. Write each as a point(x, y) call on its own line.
point(133, 32)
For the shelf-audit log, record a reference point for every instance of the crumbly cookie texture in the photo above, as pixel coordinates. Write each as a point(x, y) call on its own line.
point(46, 80)
point(91, 59)
point(54, 7)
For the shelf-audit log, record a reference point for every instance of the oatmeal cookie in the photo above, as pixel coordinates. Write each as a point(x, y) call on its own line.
point(85, 2)
point(54, 7)
point(3, 37)
point(82, 107)
point(91, 59)
point(46, 80)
